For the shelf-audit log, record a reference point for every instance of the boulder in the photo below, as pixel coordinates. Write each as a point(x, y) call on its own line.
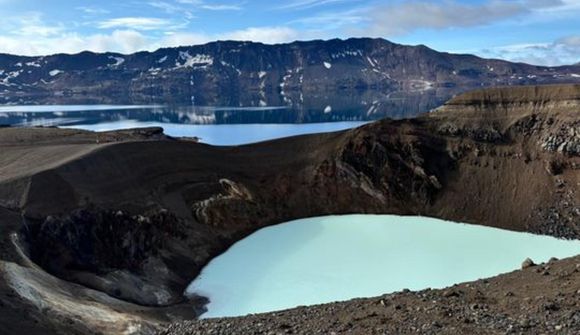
point(527, 263)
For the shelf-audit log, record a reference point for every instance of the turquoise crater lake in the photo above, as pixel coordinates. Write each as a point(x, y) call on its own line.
point(333, 258)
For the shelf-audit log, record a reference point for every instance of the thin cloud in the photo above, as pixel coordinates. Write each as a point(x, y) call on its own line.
point(221, 7)
point(200, 4)
point(334, 20)
point(165, 6)
point(563, 51)
point(190, 2)
point(91, 10)
point(129, 41)
point(404, 18)
point(135, 23)
point(395, 20)
point(555, 5)
point(124, 41)
point(31, 24)
point(306, 4)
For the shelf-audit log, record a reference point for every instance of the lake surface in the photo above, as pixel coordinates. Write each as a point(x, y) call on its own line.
point(333, 258)
point(230, 134)
point(232, 124)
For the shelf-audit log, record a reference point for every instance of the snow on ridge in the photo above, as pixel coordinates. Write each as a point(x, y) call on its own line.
point(33, 64)
point(199, 60)
point(162, 59)
point(347, 53)
point(118, 60)
point(262, 74)
point(327, 65)
point(55, 72)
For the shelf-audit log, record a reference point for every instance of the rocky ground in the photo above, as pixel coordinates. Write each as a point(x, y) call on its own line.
point(541, 299)
point(102, 232)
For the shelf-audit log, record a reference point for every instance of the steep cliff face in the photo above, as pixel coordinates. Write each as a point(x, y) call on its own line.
point(138, 216)
point(252, 74)
point(522, 143)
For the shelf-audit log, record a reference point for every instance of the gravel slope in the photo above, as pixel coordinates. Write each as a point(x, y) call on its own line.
point(542, 299)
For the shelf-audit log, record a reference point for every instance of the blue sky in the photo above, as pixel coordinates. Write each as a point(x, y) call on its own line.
point(535, 31)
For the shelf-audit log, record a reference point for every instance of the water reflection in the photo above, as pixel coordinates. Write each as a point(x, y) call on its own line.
point(360, 106)
point(263, 118)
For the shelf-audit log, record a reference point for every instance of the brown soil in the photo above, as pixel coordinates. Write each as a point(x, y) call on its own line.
point(131, 217)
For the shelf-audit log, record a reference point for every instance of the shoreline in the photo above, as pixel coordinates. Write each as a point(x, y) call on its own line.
point(205, 300)
point(547, 303)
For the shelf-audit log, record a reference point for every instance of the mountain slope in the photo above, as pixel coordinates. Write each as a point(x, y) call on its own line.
point(253, 74)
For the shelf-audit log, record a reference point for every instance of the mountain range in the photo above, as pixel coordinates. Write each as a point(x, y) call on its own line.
point(233, 73)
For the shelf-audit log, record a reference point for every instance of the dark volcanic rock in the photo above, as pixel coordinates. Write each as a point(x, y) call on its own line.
point(527, 263)
point(102, 241)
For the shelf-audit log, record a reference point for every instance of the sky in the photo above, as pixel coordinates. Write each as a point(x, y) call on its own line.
point(543, 32)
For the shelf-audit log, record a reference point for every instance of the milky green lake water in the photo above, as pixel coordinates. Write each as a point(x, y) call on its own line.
point(333, 258)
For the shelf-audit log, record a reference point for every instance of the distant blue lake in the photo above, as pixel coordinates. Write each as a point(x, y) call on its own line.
point(230, 125)
point(326, 259)
point(230, 134)
point(213, 125)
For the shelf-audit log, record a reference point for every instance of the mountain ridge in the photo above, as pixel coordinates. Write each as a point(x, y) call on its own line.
point(233, 73)
point(379, 39)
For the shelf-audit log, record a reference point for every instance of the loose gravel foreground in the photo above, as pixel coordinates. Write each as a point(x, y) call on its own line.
point(540, 299)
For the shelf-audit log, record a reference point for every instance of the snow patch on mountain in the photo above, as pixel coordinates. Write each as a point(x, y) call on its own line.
point(197, 61)
point(11, 75)
point(118, 61)
point(55, 73)
point(232, 66)
point(347, 53)
point(33, 64)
